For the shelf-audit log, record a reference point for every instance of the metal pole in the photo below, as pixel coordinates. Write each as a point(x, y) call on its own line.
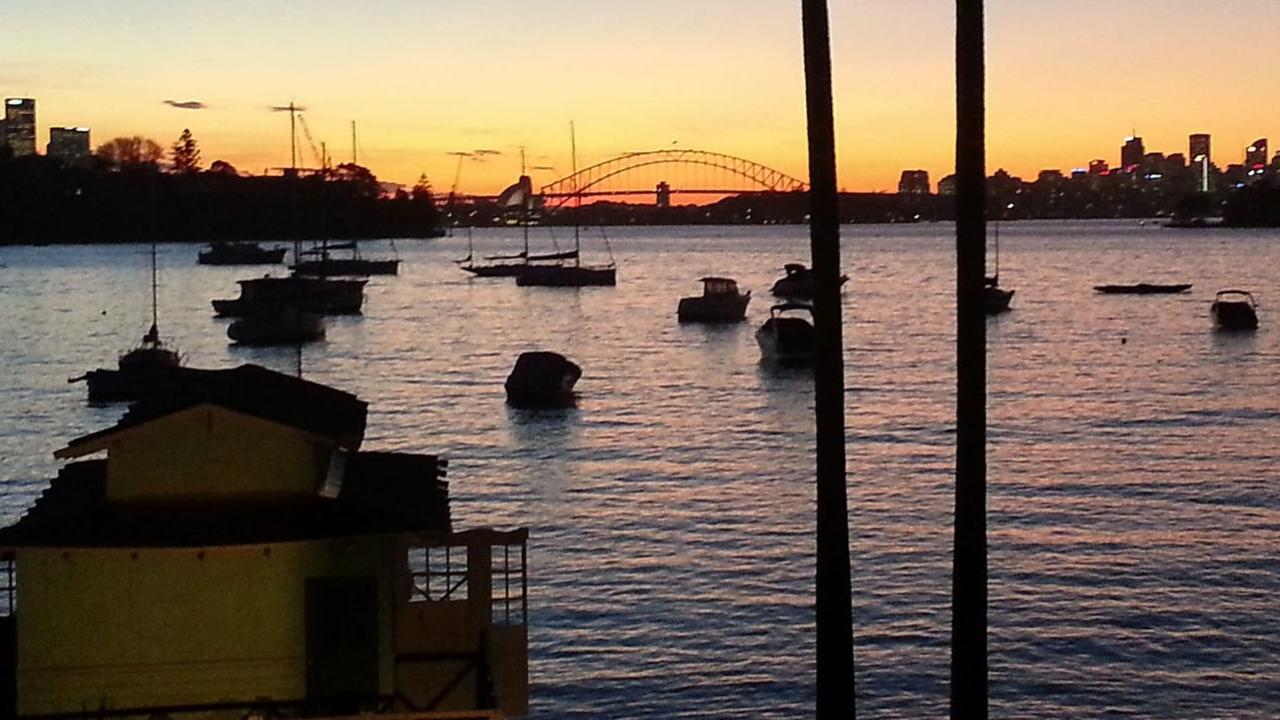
point(969, 573)
point(834, 613)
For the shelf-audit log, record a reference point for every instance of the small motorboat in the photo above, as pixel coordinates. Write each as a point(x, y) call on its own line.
point(286, 326)
point(324, 296)
point(799, 282)
point(1142, 289)
point(240, 253)
point(1234, 310)
point(787, 338)
point(542, 379)
point(720, 302)
point(995, 300)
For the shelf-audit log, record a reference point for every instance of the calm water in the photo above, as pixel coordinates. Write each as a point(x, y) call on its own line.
point(1134, 485)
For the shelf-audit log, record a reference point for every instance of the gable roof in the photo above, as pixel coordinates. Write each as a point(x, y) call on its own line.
point(252, 390)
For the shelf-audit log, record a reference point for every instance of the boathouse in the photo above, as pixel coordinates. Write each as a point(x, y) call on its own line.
point(236, 554)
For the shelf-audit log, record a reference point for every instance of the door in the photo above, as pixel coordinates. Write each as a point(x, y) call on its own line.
point(342, 638)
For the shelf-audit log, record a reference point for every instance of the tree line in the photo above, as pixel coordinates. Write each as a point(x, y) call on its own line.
point(126, 192)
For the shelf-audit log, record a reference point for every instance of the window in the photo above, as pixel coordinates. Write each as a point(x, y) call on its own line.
point(437, 573)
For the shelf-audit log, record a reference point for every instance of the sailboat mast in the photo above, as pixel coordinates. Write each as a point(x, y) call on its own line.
point(524, 208)
point(155, 315)
point(293, 138)
point(577, 197)
point(353, 142)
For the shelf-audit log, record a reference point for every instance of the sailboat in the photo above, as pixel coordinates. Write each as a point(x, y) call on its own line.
point(995, 299)
point(145, 371)
point(303, 293)
point(324, 263)
point(577, 274)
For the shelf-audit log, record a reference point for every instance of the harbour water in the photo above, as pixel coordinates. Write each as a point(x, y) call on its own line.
point(1134, 488)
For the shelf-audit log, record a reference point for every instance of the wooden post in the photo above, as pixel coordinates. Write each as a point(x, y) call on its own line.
point(969, 574)
point(834, 614)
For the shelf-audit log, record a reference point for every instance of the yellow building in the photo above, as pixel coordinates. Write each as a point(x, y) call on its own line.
point(236, 555)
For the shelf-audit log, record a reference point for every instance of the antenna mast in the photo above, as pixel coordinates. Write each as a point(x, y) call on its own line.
point(353, 143)
point(293, 138)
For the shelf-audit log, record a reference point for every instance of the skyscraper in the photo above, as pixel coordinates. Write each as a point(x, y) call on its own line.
point(1255, 156)
point(71, 145)
point(1199, 145)
point(1131, 154)
point(20, 125)
point(914, 182)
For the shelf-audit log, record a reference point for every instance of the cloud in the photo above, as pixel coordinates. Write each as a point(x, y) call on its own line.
point(186, 104)
point(482, 152)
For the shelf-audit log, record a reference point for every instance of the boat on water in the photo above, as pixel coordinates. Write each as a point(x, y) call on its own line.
point(542, 379)
point(1142, 289)
point(787, 338)
point(328, 259)
point(798, 282)
point(145, 371)
point(518, 194)
point(240, 253)
point(577, 274)
point(286, 326)
point(322, 296)
point(995, 300)
point(720, 302)
point(1234, 310)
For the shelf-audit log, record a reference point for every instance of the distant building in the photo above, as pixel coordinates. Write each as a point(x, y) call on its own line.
point(1199, 145)
point(1176, 160)
point(70, 145)
point(1049, 176)
point(1099, 167)
point(1255, 160)
point(20, 125)
point(914, 182)
point(1131, 154)
point(947, 185)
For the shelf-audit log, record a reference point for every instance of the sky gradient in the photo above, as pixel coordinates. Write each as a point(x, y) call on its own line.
point(1066, 81)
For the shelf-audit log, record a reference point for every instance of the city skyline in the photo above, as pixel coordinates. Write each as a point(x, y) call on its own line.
point(422, 83)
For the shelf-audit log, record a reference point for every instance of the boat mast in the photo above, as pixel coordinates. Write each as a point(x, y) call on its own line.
point(293, 138)
point(577, 197)
point(524, 207)
point(353, 142)
point(155, 314)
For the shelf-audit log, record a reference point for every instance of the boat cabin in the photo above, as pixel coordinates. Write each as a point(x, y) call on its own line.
point(719, 286)
point(233, 552)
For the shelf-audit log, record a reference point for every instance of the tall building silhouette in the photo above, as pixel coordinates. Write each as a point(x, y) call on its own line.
point(1255, 156)
point(69, 144)
point(1199, 145)
point(20, 125)
point(914, 182)
point(1131, 154)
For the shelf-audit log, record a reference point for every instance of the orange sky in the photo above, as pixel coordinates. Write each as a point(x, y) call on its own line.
point(1066, 82)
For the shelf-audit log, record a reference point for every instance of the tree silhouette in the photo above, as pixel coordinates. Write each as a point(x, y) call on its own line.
point(185, 153)
point(134, 150)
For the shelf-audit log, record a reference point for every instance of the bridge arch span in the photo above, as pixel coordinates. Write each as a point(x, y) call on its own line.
point(585, 180)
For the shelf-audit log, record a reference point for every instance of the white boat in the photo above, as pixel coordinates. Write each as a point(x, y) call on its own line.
point(787, 338)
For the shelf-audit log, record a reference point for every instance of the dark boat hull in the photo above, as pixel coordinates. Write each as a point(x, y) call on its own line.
point(304, 294)
point(713, 308)
point(1232, 315)
point(1142, 289)
point(283, 328)
point(995, 300)
point(787, 340)
point(242, 255)
point(567, 276)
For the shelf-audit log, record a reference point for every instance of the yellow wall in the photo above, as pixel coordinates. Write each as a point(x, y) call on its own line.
point(120, 628)
point(208, 452)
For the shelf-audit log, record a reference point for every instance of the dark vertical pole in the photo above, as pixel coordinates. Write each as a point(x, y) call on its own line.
point(969, 573)
point(835, 691)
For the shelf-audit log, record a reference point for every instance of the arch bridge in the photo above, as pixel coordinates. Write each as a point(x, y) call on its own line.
point(663, 173)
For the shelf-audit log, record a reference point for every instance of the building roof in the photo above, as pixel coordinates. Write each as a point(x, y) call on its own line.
point(381, 493)
point(253, 390)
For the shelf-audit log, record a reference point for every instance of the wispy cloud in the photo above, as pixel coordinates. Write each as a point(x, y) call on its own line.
point(186, 104)
point(482, 152)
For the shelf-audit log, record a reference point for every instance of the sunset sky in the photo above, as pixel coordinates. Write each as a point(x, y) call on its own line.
point(1067, 81)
